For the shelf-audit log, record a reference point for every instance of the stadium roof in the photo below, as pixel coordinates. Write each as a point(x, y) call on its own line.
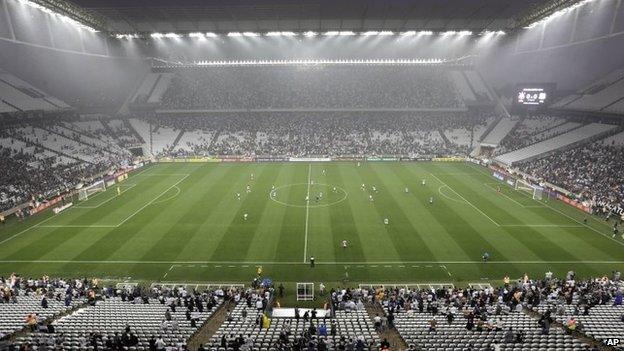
point(125, 16)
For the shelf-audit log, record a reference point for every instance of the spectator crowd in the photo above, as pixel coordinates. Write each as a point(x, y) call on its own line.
point(595, 172)
point(312, 87)
point(325, 133)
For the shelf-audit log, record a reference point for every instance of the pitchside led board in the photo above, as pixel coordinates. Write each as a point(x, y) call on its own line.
point(533, 96)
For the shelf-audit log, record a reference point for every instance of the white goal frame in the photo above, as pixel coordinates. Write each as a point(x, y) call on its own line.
point(85, 192)
point(305, 291)
point(536, 191)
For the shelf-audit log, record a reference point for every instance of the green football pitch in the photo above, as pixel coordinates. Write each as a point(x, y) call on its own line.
point(185, 223)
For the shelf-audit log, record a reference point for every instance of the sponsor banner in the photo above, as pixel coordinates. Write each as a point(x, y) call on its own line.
point(185, 160)
point(449, 159)
point(271, 159)
point(551, 191)
point(45, 205)
point(309, 159)
point(348, 158)
point(237, 159)
point(110, 183)
point(59, 209)
point(122, 177)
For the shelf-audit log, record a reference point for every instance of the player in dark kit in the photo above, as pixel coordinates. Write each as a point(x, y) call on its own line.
point(485, 257)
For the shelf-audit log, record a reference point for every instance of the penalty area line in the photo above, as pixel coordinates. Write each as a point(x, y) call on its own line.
point(468, 202)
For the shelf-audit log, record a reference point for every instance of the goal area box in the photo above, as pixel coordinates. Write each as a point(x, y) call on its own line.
point(85, 192)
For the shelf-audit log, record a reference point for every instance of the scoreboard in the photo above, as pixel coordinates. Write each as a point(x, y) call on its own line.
point(532, 96)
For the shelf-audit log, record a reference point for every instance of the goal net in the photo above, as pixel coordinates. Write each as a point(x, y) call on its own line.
point(534, 190)
point(86, 192)
point(305, 291)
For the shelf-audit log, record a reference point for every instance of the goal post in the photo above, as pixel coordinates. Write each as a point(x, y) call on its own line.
point(85, 192)
point(305, 291)
point(535, 191)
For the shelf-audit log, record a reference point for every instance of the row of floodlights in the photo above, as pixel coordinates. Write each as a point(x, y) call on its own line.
point(58, 15)
point(558, 13)
point(309, 34)
point(318, 62)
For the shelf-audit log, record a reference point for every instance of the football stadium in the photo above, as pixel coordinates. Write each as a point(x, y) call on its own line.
point(311, 175)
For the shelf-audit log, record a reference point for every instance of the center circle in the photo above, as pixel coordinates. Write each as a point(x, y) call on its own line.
point(329, 196)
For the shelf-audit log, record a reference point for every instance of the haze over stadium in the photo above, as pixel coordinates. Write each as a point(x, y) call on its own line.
point(311, 175)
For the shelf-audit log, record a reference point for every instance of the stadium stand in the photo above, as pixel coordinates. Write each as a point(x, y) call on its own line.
point(129, 316)
point(575, 136)
point(606, 94)
point(476, 318)
point(33, 302)
point(321, 133)
point(592, 171)
point(152, 88)
point(17, 95)
point(244, 328)
point(499, 132)
point(316, 87)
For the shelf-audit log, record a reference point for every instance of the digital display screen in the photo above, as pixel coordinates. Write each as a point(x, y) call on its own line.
point(531, 96)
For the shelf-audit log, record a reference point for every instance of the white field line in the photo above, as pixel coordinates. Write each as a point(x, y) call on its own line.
point(126, 188)
point(307, 217)
point(79, 226)
point(25, 230)
point(96, 195)
point(543, 225)
point(167, 272)
point(141, 172)
point(448, 197)
point(152, 200)
point(175, 185)
point(572, 218)
point(164, 174)
point(170, 197)
point(506, 196)
point(221, 263)
point(468, 202)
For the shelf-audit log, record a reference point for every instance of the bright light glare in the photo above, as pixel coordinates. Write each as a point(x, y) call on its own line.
point(58, 15)
point(126, 36)
point(250, 34)
point(211, 35)
point(235, 34)
point(409, 33)
point(172, 35)
point(281, 34)
point(310, 34)
point(322, 62)
point(558, 13)
point(197, 35)
point(341, 33)
point(157, 35)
